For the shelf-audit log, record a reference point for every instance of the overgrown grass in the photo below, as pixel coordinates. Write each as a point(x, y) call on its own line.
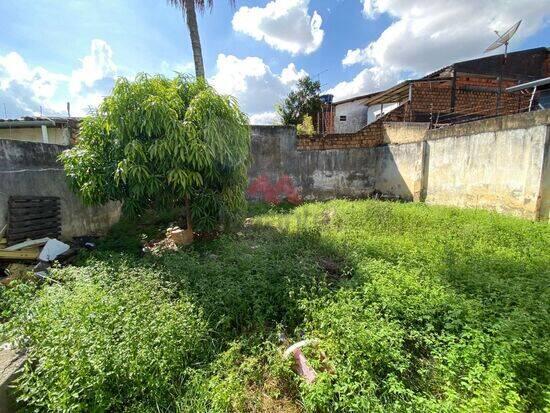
point(416, 308)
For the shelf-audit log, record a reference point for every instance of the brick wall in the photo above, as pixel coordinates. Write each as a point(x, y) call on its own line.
point(475, 97)
point(547, 66)
point(368, 137)
point(430, 97)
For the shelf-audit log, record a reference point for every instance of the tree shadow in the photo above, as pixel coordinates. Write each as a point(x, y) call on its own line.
point(255, 281)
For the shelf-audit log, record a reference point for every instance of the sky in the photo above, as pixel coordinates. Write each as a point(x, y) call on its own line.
point(54, 52)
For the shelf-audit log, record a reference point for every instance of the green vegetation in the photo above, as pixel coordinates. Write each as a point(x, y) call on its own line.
point(304, 101)
point(156, 142)
point(416, 308)
point(306, 127)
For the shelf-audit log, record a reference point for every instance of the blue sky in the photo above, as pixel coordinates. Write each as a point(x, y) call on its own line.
point(54, 51)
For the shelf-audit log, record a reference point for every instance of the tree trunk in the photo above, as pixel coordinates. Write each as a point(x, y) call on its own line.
point(188, 214)
point(193, 27)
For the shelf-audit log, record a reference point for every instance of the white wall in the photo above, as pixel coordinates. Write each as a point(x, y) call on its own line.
point(356, 116)
point(375, 111)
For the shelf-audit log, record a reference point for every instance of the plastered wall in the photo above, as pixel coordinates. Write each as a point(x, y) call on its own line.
point(28, 168)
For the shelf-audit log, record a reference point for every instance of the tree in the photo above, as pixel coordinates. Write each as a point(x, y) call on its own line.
point(188, 8)
point(161, 143)
point(303, 101)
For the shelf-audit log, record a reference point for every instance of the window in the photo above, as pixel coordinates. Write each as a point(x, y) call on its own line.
point(343, 118)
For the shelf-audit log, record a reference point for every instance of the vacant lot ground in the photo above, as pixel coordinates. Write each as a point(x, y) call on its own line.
point(415, 308)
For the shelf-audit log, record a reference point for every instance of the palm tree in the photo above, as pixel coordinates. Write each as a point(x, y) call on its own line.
point(188, 8)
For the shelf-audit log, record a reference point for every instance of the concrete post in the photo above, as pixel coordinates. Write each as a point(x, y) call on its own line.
point(543, 199)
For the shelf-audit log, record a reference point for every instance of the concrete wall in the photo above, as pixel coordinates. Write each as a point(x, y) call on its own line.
point(404, 132)
point(544, 197)
point(28, 168)
point(500, 164)
point(325, 174)
point(56, 135)
point(399, 171)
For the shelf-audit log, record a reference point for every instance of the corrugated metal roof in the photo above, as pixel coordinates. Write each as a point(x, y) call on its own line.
point(368, 95)
point(36, 121)
point(529, 85)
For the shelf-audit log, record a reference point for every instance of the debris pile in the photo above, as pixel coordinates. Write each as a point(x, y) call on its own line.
point(174, 238)
point(19, 260)
point(28, 242)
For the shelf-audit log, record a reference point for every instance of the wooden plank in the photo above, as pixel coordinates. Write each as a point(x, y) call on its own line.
point(20, 255)
point(19, 216)
point(36, 235)
point(33, 217)
point(39, 223)
point(43, 206)
point(30, 232)
point(31, 197)
point(38, 201)
point(27, 244)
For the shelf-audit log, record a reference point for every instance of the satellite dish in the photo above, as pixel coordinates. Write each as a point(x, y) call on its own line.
point(503, 39)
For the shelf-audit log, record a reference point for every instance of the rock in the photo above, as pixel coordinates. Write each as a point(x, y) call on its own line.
point(11, 363)
point(180, 236)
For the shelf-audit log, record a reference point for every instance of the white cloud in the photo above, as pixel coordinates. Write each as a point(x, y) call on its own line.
point(356, 56)
point(24, 86)
point(170, 69)
point(291, 75)
point(254, 85)
point(27, 90)
point(97, 66)
point(264, 118)
point(427, 34)
point(283, 24)
point(368, 80)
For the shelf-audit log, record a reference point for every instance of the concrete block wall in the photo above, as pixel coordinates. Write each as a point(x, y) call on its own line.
point(28, 168)
point(501, 164)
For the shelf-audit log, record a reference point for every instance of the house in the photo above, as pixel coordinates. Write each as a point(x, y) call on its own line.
point(461, 92)
point(54, 130)
point(468, 90)
point(348, 115)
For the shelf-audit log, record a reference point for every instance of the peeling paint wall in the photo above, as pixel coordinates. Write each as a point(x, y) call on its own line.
point(399, 171)
point(544, 197)
point(324, 174)
point(28, 168)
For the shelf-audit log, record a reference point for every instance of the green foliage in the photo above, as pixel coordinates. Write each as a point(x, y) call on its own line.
point(416, 308)
point(110, 339)
point(249, 284)
point(303, 101)
point(306, 127)
point(155, 141)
